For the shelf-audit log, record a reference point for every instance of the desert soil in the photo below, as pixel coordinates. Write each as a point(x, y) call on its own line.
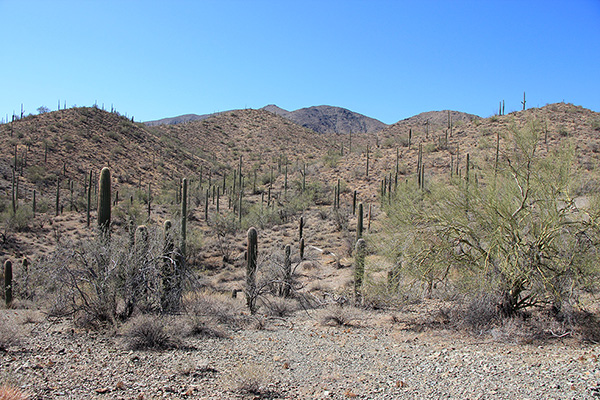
point(378, 356)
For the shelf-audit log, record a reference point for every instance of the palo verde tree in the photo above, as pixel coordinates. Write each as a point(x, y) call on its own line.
point(516, 230)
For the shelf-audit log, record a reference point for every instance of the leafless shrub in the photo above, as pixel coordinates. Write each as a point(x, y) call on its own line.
point(98, 281)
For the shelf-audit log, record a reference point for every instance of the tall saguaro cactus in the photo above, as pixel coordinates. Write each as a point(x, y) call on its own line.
point(8, 283)
point(104, 200)
point(359, 265)
point(89, 200)
point(169, 299)
point(184, 190)
point(251, 255)
point(359, 222)
point(287, 272)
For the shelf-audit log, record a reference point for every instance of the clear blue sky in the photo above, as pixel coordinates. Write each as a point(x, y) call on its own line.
point(385, 59)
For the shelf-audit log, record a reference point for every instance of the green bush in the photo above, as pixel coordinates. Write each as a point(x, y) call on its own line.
point(18, 221)
point(515, 232)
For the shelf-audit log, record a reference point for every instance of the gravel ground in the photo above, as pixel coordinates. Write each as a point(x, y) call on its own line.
point(299, 357)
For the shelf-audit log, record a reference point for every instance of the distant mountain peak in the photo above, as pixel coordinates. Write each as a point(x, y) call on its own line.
point(329, 119)
point(275, 109)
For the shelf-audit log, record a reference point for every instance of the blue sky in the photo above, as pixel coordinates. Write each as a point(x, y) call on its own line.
point(385, 59)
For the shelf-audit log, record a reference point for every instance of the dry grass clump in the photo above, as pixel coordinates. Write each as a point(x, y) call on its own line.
point(200, 327)
point(9, 334)
point(150, 332)
point(249, 379)
point(279, 307)
point(335, 315)
point(217, 308)
point(12, 393)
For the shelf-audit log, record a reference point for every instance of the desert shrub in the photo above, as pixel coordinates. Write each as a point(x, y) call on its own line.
point(150, 332)
point(224, 226)
point(516, 233)
point(332, 158)
point(99, 281)
point(18, 221)
point(261, 216)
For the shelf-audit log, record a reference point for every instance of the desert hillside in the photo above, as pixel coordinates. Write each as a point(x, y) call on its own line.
point(371, 253)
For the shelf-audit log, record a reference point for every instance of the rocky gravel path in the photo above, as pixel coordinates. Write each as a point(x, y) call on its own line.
point(299, 358)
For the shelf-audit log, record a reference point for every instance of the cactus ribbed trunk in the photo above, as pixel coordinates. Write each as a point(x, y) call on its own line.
point(89, 200)
point(171, 294)
point(57, 196)
point(287, 272)
point(8, 283)
point(184, 190)
point(251, 255)
point(359, 222)
point(359, 266)
point(104, 199)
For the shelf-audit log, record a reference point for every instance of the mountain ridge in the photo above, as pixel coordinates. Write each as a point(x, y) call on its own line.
point(321, 119)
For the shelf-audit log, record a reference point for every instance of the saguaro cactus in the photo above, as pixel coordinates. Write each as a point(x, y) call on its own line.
point(89, 200)
point(104, 199)
point(359, 222)
point(141, 243)
point(8, 283)
point(287, 272)
point(360, 253)
point(170, 273)
point(302, 249)
point(57, 209)
point(251, 255)
point(184, 190)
